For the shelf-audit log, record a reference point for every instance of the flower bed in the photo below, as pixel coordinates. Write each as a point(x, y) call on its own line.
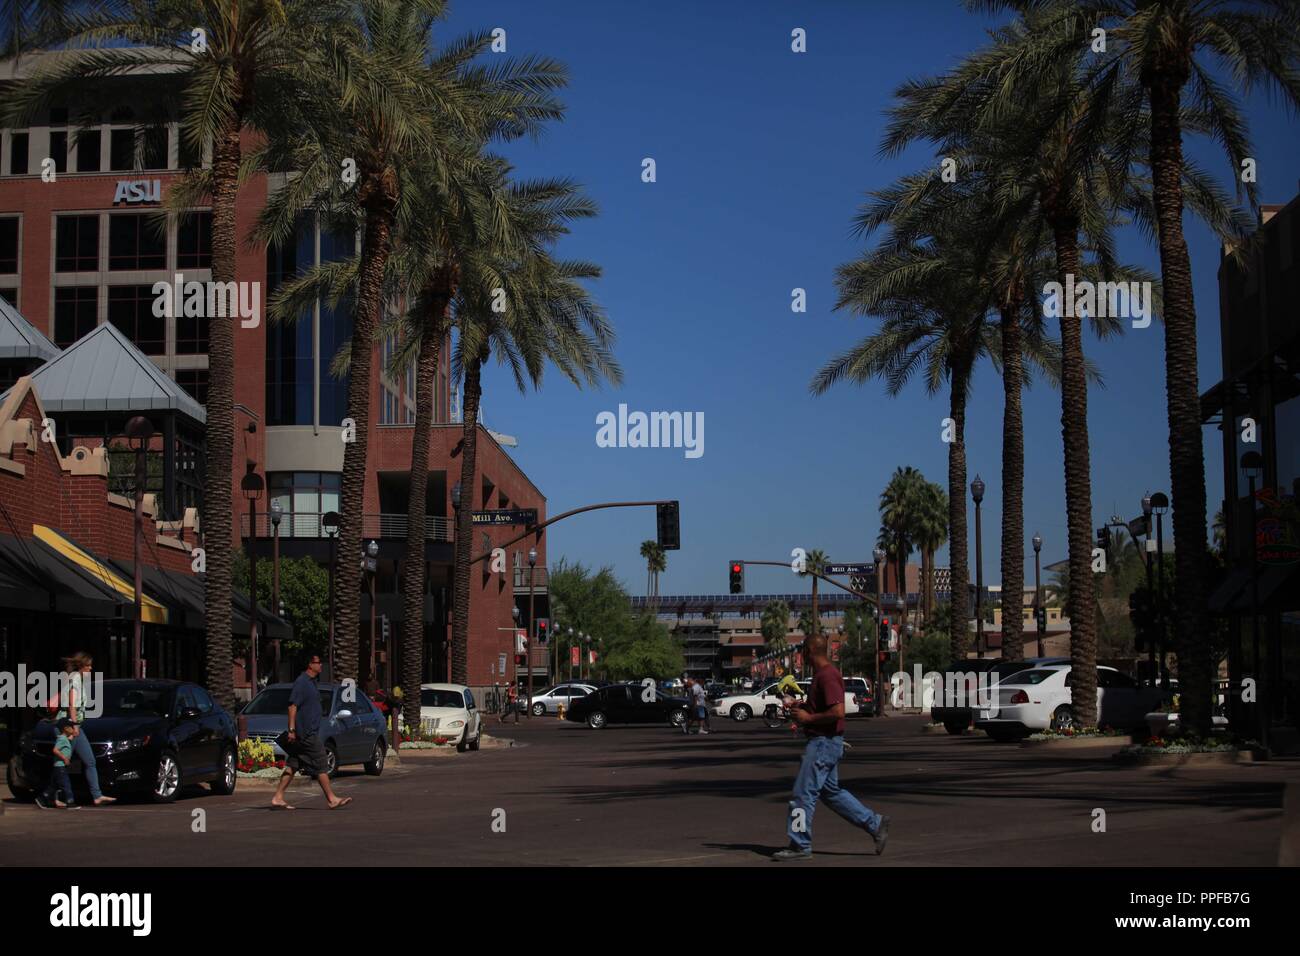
point(257, 758)
point(1074, 733)
point(1190, 751)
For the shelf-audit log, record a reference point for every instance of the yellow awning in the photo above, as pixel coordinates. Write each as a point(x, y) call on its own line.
point(151, 611)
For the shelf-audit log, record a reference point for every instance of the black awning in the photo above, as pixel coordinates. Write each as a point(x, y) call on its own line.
point(1278, 589)
point(60, 587)
point(183, 596)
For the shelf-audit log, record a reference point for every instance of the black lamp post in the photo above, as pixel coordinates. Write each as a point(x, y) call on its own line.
point(277, 513)
point(1252, 463)
point(251, 485)
point(879, 555)
point(1159, 505)
point(139, 430)
point(330, 522)
point(532, 629)
point(1040, 616)
point(977, 492)
point(372, 571)
point(514, 613)
point(1151, 593)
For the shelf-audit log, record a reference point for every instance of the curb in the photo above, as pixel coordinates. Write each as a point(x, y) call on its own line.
point(1220, 758)
point(1078, 743)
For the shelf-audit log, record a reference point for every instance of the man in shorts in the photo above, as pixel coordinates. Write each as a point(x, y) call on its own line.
point(306, 752)
point(700, 702)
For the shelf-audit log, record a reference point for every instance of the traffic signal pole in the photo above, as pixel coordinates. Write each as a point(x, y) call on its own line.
point(537, 528)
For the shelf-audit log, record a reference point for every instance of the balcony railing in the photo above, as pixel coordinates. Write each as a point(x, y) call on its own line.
point(539, 578)
point(310, 525)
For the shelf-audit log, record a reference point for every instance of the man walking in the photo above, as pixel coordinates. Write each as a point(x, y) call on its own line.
point(512, 704)
point(821, 716)
point(305, 750)
point(700, 701)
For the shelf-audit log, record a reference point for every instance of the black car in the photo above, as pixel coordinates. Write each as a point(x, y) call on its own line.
point(626, 704)
point(151, 736)
point(952, 703)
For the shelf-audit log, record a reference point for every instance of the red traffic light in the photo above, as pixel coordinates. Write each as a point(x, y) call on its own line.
point(735, 568)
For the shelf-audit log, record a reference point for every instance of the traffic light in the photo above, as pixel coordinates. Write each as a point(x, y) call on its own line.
point(669, 525)
point(737, 569)
point(1040, 616)
point(384, 620)
point(543, 629)
point(884, 637)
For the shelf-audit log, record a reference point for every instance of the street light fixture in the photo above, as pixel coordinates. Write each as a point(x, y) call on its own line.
point(251, 485)
point(330, 523)
point(372, 571)
point(1040, 616)
point(1160, 505)
point(277, 513)
point(879, 555)
point(977, 492)
point(532, 629)
point(138, 431)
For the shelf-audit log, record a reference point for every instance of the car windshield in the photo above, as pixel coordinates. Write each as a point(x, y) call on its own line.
point(441, 698)
point(1028, 677)
point(133, 700)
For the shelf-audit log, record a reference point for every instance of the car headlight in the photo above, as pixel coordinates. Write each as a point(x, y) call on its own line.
point(456, 723)
point(134, 743)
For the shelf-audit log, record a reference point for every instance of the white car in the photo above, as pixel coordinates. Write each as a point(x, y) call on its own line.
point(549, 701)
point(448, 710)
point(741, 707)
point(1039, 699)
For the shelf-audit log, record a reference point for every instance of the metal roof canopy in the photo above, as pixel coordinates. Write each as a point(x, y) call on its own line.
point(103, 371)
point(20, 339)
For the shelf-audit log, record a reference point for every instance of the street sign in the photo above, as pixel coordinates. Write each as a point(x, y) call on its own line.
point(524, 516)
point(1139, 526)
point(858, 568)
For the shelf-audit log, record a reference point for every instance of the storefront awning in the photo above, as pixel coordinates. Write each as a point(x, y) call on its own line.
point(151, 611)
point(45, 581)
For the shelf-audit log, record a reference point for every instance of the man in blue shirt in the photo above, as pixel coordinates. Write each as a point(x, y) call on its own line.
point(305, 750)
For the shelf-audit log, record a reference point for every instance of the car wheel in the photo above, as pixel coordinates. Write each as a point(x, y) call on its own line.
point(478, 738)
point(331, 760)
point(596, 720)
point(226, 776)
point(168, 784)
point(21, 793)
point(539, 710)
point(677, 717)
point(375, 765)
point(463, 744)
point(1062, 717)
point(741, 713)
point(954, 727)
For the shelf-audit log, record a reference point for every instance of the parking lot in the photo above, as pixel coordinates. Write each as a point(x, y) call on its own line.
point(568, 795)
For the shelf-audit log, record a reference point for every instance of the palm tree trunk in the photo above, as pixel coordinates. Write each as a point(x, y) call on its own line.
point(414, 564)
point(1013, 485)
point(218, 516)
point(375, 247)
point(1196, 663)
point(1078, 485)
point(465, 529)
point(959, 639)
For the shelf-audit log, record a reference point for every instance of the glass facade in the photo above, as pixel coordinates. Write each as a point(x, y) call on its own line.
point(305, 496)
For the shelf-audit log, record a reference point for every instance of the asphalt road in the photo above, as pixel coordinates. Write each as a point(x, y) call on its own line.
point(647, 796)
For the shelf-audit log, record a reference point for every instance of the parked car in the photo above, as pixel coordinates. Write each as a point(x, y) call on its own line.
point(851, 706)
point(860, 688)
point(152, 737)
point(625, 704)
point(449, 711)
point(953, 701)
point(353, 731)
point(548, 701)
point(1039, 699)
point(715, 691)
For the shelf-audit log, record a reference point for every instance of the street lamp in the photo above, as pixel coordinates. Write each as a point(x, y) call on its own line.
point(1040, 616)
point(277, 513)
point(532, 629)
point(372, 569)
point(1252, 463)
point(251, 485)
point(330, 523)
point(1160, 505)
point(977, 492)
point(1151, 638)
point(138, 431)
point(586, 653)
point(879, 555)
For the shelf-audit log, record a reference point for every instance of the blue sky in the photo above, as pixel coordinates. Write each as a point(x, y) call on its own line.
point(762, 158)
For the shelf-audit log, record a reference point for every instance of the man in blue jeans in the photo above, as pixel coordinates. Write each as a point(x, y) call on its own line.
point(822, 718)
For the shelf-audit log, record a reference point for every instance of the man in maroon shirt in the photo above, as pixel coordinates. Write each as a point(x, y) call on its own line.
point(822, 718)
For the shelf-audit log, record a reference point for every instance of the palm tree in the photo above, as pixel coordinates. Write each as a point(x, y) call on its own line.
point(899, 504)
point(656, 561)
point(775, 624)
point(31, 24)
point(931, 532)
point(259, 56)
point(397, 108)
point(814, 563)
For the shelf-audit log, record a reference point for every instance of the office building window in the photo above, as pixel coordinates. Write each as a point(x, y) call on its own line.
point(130, 308)
point(10, 296)
point(194, 242)
point(76, 244)
point(18, 154)
point(191, 335)
point(121, 149)
point(88, 151)
point(76, 313)
point(59, 149)
point(134, 242)
point(194, 381)
point(9, 245)
point(305, 496)
point(154, 148)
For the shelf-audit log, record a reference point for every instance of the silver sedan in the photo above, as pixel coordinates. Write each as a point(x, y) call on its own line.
point(548, 701)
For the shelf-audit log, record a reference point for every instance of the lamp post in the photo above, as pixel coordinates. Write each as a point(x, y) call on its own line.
point(330, 522)
point(557, 648)
point(1040, 616)
point(586, 653)
point(1252, 463)
point(277, 513)
point(1151, 638)
point(372, 570)
point(139, 430)
point(532, 628)
point(1160, 504)
point(447, 652)
point(977, 492)
point(251, 485)
point(879, 555)
point(514, 642)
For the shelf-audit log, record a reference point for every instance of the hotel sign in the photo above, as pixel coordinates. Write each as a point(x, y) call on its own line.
point(137, 191)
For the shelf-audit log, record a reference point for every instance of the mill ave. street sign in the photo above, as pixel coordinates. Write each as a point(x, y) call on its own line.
point(524, 516)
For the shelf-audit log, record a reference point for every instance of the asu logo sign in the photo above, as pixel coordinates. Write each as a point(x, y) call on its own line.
point(138, 190)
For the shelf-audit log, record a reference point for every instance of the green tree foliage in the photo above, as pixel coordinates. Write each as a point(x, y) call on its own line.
point(304, 592)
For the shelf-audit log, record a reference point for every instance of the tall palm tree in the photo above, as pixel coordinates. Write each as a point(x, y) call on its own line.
point(397, 107)
point(815, 563)
point(656, 561)
point(931, 532)
point(258, 58)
